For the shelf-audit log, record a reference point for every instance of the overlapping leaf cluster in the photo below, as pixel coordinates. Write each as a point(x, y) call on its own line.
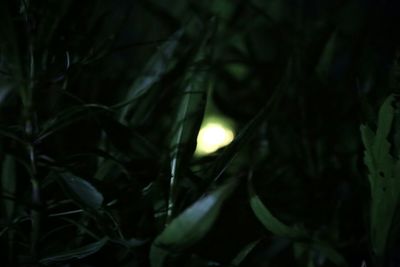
point(101, 102)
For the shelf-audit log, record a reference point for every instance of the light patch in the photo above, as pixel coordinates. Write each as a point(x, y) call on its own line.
point(212, 136)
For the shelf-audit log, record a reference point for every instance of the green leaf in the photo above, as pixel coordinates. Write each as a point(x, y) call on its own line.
point(8, 184)
point(269, 221)
point(189, 116)
point(241, 256)
point(307, 250)
point(191, 225)
point(80, 190)
point(329, 252)
point(127, 140)
point(157, 66)
point(328, 55)
point(74, 254)
point(7, 132)
point(249, 130)
point(188, 121)
point(383, 177)
point(69, 116)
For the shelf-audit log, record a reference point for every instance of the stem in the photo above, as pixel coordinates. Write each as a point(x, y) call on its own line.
point(30, 132)
point(172, 191)
point(35, 214)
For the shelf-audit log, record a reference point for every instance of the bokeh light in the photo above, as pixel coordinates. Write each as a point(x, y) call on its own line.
point(212, 136)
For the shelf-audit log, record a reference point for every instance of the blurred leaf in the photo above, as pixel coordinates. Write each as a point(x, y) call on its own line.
point(80, 190)
point(324, 65)
point(8, 184)
point(384, 173)
point(157, 66)
point(191, 225)
point(11, 134)
point(190, 115)
point(242, 255)
point(67, 117)
point(249, 130)
point(49, 22)
point(127, 140)
point(329, 252)
point(9, 41)
point(270, 221)
point(74, 254)
point(188, 122)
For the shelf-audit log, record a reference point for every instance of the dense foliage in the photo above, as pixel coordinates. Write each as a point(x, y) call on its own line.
point(101, 102)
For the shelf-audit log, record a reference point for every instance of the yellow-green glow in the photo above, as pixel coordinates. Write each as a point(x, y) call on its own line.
point(212, 136)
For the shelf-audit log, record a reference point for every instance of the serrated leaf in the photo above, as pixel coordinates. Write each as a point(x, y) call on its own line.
point(74, 254)
point(270, 222)
point(80, 190)
point(191, 225)
point(383, 177)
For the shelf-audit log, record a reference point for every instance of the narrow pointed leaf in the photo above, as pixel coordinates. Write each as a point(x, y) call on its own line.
point(74, 254)
point(8, 184)
point(229, 153)
point(242, 255)
point(269, 221)
point(80, 190)
point(330, 253)
point(157, 66)
point(191, 225)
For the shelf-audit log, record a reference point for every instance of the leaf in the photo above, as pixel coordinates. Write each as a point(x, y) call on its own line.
point(69, 116)
point(8, 184)
point(330, 253)
point(157, 66)
point(74, 254)
point(241, 256)
point(188, 122)
point(269, 221)
point(191, 225)
point(127, 140)
point(383, 176)
point(80, 190)
point(189, 116)
point(324, 66)
point(7, 132)
point(249, 130)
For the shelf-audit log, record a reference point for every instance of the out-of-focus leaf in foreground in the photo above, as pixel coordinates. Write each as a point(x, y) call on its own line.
point(80, 190)
point(157, 66)
point(191, 225)
point(270, 222)
point(74, 254)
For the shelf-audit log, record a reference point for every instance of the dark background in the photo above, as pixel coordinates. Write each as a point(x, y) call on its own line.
point(65, 67)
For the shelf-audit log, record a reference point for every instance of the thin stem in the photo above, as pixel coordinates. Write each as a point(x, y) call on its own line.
point(30, 131)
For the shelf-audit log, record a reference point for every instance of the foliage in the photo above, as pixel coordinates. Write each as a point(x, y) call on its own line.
point(101, 102)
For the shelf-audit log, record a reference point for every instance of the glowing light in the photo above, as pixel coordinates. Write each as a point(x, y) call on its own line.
point(212, 136)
